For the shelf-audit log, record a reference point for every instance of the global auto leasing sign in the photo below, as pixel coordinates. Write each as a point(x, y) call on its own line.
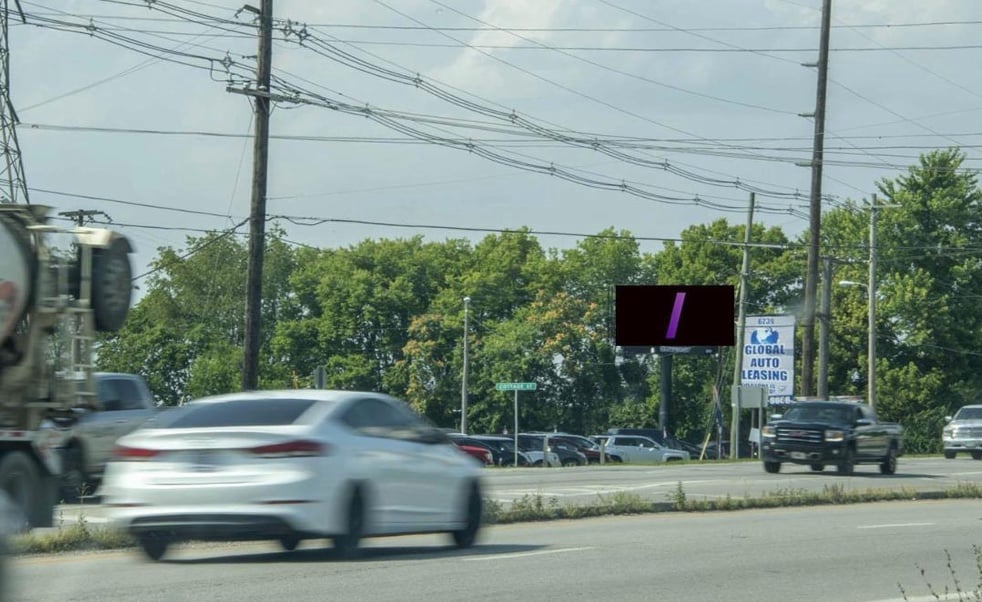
point(768, 356)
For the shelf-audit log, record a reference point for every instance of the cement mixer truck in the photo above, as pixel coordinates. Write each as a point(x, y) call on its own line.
point(52, 305)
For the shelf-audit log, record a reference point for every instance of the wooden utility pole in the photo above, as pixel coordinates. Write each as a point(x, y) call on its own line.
point(825, 316)
point(741, 331)
point(815, 208)
point(257, 215)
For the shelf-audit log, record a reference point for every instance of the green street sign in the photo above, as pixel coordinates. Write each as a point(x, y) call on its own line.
point(515, 386)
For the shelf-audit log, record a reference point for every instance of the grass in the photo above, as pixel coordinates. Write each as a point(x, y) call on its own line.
point(955, 590)
point(535, 507)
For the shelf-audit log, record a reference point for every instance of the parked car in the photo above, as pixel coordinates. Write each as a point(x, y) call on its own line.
point(533, 449)
point(568, 455)
point(636, 449)
point(504, 449)
point(586, 446)
point(963, 433)
point(287, 466)
point(478, 450)
point(123, 403)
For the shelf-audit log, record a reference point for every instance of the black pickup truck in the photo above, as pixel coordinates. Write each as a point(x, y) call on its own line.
point(841, 433)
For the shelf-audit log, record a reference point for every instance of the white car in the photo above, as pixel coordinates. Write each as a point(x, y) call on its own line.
point(287, 466)
point(636, 449)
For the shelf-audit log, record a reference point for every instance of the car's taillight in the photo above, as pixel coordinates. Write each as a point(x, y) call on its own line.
point(124, 453)
point(290, 449)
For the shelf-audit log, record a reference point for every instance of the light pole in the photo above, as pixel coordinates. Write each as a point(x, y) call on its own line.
point(871, 341)
point(463, 382)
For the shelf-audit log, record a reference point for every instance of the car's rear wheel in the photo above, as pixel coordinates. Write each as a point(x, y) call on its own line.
point(977, 455)
point(289, 542)
point(950, 455)
point(818, 467)
point(772, 467)
point(153, 545)
point(567, 463)
point(889, 464)
point(347, 544)
point(465, 537)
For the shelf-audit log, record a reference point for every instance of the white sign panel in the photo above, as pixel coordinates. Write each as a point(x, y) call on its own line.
point(768, 355)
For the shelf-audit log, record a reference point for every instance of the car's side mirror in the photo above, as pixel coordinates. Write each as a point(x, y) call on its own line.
point(947, 418)
point(776, 416)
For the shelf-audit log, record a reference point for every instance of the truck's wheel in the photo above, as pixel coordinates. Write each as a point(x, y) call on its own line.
point(977, 455)
point(112, 285)
point(847, 464)
point(817, 467)
point(772, 467)
point(889, 464)
point(20, 480)
point(949, 455)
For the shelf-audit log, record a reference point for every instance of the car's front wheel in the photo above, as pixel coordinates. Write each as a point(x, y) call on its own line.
point(950, 455)
point(772, 467)
point(466, 536)
point(153, 545)
point(889, 464)
point(347, 543)
point(818, 467)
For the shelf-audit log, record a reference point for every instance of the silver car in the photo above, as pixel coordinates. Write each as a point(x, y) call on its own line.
point(636, 449)
point(963, 433)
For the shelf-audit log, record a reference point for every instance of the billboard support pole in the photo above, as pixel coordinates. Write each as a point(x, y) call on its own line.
point(741, 325)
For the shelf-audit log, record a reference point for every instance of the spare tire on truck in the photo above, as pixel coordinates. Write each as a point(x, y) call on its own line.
point(112, 283)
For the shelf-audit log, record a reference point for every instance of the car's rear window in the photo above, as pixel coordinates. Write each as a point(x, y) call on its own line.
point(239, 412)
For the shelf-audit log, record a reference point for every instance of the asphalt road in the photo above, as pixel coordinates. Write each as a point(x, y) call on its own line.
point(583, 485)
point(852, 553)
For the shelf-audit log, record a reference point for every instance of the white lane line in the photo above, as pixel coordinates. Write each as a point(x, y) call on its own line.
point(895, 525)
point(524, 554)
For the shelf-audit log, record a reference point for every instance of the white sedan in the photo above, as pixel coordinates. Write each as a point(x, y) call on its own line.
point(287, 466)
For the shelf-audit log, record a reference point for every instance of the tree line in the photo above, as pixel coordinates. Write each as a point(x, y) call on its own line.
point(388, 315)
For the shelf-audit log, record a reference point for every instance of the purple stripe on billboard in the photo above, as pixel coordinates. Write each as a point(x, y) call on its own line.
point(673, 324)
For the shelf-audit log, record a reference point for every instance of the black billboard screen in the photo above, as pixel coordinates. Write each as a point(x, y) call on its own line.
point(674, 315)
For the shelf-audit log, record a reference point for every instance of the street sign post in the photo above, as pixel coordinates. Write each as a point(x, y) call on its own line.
point(516, 387)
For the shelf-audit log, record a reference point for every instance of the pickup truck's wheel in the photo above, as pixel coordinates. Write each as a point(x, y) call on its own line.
point(817, 467)
point(75, 483)
point(772, 467)
point(977, 455)
point(950, 455)
point(848, 462)
point(889, 464)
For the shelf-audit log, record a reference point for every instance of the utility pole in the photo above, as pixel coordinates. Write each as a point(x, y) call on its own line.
point(12, 180)
point(871, 293)
point(825, 316)
point(741, 331)
point(81, 215)
point(257, 215)
point(815, 209)
point(463, 380)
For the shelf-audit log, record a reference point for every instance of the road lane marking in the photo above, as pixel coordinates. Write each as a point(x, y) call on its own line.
point(524, 554)
point(895, 525)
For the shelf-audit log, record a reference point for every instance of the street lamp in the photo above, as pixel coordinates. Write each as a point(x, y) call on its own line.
point(871, 344)
point(463, 383)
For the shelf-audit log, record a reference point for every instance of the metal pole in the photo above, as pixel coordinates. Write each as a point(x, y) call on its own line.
point(823, 334)
point(516, 427)
point(665, 363)
point(815, 204)
point(871, 292)
point(257, 215)
point(741, 325)
point(463, 381)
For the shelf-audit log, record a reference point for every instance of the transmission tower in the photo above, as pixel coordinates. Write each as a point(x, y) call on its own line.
point(13, 185)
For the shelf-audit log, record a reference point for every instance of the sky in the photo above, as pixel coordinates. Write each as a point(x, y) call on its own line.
point(446, 118)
